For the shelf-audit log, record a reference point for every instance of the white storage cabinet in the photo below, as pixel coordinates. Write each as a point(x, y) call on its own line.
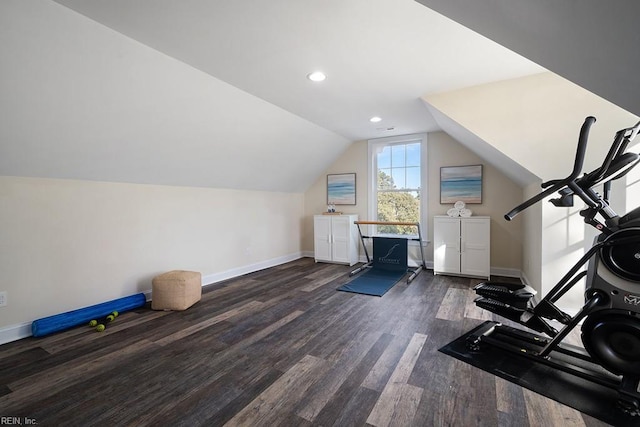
point(462, 246)
point(335, 239)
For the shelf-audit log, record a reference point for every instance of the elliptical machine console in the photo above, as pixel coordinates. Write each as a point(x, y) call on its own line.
point(611, 313)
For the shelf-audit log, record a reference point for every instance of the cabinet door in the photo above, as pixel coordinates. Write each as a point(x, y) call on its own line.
point(322, 238)
point(475, 250)
point(446, 248)
point(341, 232)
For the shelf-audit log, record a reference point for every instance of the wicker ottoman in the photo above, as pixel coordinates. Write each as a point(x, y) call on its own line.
point(176, 290)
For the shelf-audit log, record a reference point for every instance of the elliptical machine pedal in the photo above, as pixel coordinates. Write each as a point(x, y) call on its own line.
point(514, 294)
point(611, 312)
point(524, 316)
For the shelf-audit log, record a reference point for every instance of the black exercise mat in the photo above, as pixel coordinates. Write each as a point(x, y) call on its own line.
point(374, 282)
point(389, 265)
point(585, 396)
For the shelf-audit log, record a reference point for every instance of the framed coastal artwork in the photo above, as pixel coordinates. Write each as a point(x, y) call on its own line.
point(461, 183)
point(341, 189)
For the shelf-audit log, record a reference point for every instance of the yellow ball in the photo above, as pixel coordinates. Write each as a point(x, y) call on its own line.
point(93, 323)
point(100, 328)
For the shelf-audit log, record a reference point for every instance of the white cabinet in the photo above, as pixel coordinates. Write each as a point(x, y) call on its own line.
point(461, 246)
point(335, 238)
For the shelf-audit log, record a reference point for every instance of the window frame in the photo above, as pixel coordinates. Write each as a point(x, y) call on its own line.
point(374, 147)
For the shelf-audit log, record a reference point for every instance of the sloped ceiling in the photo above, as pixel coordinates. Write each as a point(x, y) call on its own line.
point(81, 101)
point(214, 93)
point(592, 43)
point(589, 43)
point(509, 167)
point(531, 122)
point(380, 56)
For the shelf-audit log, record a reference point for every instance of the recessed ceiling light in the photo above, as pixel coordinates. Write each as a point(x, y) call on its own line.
point(316, 76)
point(375, 119)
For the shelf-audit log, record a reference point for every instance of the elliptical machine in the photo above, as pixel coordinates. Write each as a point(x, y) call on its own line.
point(611, 312)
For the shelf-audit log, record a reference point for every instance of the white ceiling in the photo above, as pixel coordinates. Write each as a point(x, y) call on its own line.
point(592, 43)
point(380, 56)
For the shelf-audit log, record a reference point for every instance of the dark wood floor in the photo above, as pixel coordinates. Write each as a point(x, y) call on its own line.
point(276, 347)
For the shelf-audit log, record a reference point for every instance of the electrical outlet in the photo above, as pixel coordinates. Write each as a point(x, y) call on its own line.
point(3, 298)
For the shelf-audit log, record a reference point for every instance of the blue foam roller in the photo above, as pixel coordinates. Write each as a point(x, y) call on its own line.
point(62, 321)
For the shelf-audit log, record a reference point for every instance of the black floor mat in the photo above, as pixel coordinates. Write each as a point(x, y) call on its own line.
point(585, 396)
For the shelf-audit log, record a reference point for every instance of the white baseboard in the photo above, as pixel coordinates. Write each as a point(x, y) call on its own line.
point(506, 272)
point(235, 272)
point(15, 332)
point(495, 271)
point(23, 330)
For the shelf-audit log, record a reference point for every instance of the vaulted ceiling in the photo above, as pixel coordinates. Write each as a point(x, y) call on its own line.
point(379, 56)
point(590, 42)
point(214, 93)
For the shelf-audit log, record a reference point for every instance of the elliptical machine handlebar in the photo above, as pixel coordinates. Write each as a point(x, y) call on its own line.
point(617, 159)
point(633, 132)
point(556, 185)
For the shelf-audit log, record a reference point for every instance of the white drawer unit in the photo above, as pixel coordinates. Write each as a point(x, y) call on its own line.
point(461, 246)
point(335, 239)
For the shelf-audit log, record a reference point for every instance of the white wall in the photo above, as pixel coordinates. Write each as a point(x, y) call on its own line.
point(567, 237)
point(631, 189)
point(532, 240)
point(81, 101)
point(115, 161)
point(536, 120)
point(353, 160)
point(67, 244)
point(499, 195)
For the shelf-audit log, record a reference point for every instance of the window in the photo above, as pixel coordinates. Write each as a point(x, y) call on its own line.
point(397, 181)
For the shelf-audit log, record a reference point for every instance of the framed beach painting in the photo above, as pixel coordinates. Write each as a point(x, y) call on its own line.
point(341, 189)
point(461, 183)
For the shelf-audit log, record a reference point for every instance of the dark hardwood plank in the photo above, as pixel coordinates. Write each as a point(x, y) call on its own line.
point(276, 347)
point(380, 373)
point(397, 392)
point(335, 407)
point(510, 403)
point(274, 404)
point(357, 408)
